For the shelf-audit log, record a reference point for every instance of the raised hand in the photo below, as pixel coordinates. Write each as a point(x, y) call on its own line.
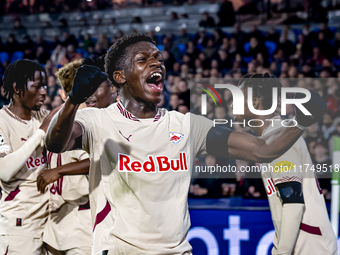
point(86, 82)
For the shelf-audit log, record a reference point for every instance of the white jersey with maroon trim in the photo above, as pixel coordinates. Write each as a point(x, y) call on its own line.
point(23, 210)
point(69, 222)
point(145, 167)
point(316, 235)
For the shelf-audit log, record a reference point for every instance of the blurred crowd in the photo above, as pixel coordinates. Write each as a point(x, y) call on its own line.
point(58, 6)
point(286, 53)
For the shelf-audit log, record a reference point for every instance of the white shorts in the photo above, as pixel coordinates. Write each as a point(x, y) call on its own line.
point(18, 245)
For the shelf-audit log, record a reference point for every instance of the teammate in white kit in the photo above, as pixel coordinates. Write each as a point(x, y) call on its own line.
point(23, 210)
point(296, 202)
point(69, 230)
point(145, 154)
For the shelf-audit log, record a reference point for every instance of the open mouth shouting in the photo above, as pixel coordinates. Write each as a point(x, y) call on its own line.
point(154, 80)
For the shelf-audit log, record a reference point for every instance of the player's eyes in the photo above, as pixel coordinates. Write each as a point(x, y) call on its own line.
point(141, 59)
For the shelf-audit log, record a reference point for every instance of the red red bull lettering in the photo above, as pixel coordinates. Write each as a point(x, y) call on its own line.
point(153, 164)
point(32, 162)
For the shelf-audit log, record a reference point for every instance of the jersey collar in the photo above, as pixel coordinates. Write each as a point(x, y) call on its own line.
point(130, 116)
point(5, 108)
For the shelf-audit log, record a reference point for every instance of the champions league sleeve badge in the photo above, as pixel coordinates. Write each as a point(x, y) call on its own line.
point(2, 140)
point(175, 138)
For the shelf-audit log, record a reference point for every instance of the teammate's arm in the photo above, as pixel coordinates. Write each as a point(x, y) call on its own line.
point(291, 217)
point(13, 162)
point(264, 149)
point(222, 142)
point(64, 133)
point(51, 175)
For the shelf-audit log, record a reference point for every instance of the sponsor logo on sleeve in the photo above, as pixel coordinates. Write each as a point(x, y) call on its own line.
point(175, 138)
point(283, 166)
point(2, 140)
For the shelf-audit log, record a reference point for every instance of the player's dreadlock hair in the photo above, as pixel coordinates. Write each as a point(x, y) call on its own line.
point(262, 85)
point(114, 58)
point(20, 72)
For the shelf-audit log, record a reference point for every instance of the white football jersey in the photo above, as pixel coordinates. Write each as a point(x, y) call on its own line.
point(69, 222)
point(23, 209)
point(145, 168)
point(316, 235)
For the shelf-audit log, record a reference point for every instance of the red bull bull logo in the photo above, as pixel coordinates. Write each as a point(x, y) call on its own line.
point(175, 138)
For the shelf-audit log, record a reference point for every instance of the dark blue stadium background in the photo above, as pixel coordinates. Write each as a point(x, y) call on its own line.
point(198, 39)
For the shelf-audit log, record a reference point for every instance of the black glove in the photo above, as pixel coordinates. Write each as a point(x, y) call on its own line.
point(316, 106)
point(95, 60)
point(86, 82)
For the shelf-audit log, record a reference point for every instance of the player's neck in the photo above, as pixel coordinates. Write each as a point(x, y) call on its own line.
point(259, 130)
point(19, 110)
point(141, 110)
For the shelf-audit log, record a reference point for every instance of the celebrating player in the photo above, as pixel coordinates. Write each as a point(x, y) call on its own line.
point(145, 172)
point(296, 202)
point(23, 210)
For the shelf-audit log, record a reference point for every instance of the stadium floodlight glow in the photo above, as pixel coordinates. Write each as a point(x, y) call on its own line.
point(157, 29)
point(89, 0)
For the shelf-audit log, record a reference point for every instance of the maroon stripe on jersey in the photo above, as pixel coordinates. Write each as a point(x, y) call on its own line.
point(6, 250)
point(102, 215)
point(288, 179)
point(12, 194)
point(120, 108)
point(59, 186)
point(84, 206)
point(310, 229)
point(158, 116)
point(49, 157)
point(125, 113)
point(59, 160)
point(81, 155)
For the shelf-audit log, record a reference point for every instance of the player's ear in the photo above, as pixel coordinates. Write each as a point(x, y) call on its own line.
point(15, 89)
point(62, 94)
point(119, 77)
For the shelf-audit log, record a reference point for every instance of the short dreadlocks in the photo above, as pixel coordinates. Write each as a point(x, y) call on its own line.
point(20, 72)
point(262, 85)
point(116, 54)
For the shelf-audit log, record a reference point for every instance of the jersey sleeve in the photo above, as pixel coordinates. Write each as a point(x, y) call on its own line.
point(199, 128)
point(5, 145)
point(87, 119)
point(290, 166)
